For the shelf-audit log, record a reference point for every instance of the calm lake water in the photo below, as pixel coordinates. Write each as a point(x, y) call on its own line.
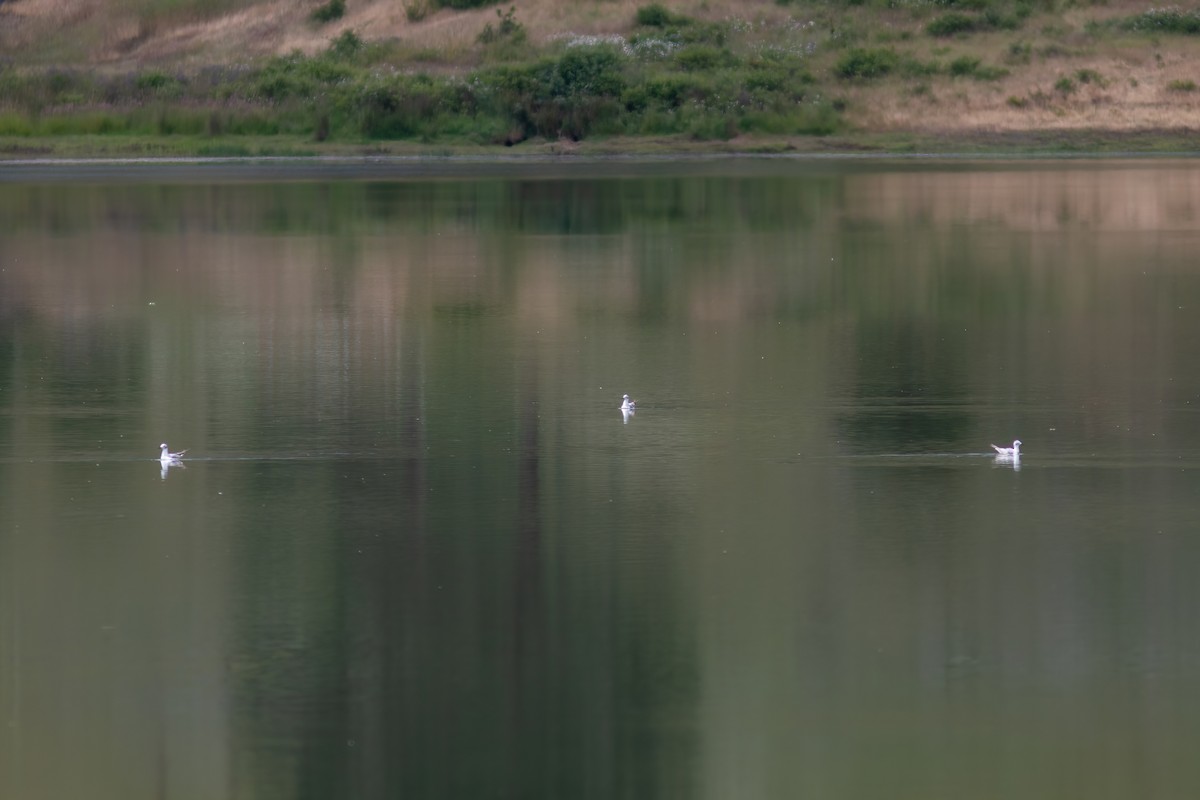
point(416, 550)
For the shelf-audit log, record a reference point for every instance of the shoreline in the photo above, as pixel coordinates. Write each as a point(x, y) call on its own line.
point(278, 156)
point(407, 168)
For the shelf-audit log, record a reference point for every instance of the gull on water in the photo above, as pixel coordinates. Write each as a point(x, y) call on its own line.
point(627, 404)
point(1009, 452)
point(167, 457)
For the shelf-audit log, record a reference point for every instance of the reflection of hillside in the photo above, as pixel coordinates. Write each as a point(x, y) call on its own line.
point(475, 549)
point(1114, 198)
point(336, 282)
point(342, 278)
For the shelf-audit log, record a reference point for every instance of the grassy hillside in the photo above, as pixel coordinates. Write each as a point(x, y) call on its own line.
point(273, 76)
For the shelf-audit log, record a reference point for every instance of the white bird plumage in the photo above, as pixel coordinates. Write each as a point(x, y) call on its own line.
point(1009, 452)
point(167, 457)
point(628, 408)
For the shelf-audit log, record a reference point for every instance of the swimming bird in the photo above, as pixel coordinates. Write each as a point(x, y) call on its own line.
point(627, 404)
point(167, 457)
point(1009, 452)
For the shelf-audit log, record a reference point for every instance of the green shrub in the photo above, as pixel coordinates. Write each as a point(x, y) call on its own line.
point(994, 19)
point(14, 124)
point(507, 29)
point(152, 81)
point(702, 126)
point(579, 93)
point(588, 71)
point(989, 73)
point(1181, 86)
point(784, 79)
point(464, 4)
point(635, 99)
point(972, 67)
point(952, 24)
point(296, 77)
point(346, 46)
point(56, 87)
point(1055, 50)
point(657, 15)
point(704, 33)
point(334, 9)
point(861, 63)
point(180, 122)
point(416, 10)
point(671, 91)
point(964, 65)
point(1064, 85)
point(1171, 19)
point(811, 119)
point(970, 5)
point(911, 67)
point(700, 57)
point(1019, 53)
point(657, 123)
point(399, 108)
point(506, 82)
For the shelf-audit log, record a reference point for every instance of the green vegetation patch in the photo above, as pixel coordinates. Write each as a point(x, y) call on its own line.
point(703, 58)
point(334, 9)
point(866, 63)
point(973, 67)
point(507, 29)
point(1171, 19)
point(656, 15)
point(955, 23)
point(952, 24)
point(861, 63)
point(152, 13)
point(463, 4)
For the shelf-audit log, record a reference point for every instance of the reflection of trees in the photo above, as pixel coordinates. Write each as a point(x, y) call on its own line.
point(443, 579)
point(909, 390)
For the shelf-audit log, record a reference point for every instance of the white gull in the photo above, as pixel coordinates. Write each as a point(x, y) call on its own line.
point(168, 457)
point(1009, 452)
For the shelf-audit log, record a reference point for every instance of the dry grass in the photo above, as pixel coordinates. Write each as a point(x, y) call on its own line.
point(1130, 98)
point(118, 31)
